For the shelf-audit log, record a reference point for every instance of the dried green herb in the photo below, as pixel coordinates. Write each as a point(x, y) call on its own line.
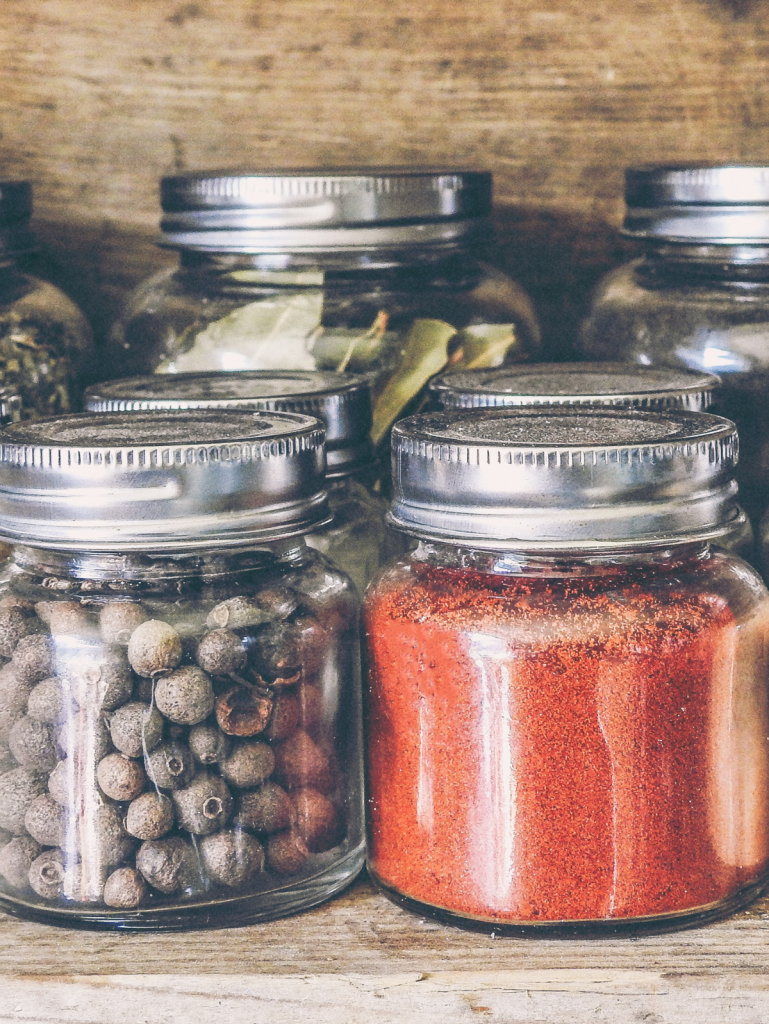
point(33, 362)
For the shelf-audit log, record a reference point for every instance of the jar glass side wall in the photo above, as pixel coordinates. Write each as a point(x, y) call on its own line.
point(45, 344)
point(181, 737)
point(563, 746)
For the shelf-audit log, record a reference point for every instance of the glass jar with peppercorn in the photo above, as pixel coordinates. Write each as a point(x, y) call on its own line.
point(699, 295)
point(362, 270)
point(45, 341)
point(357, 540)
point(179, 707)
point(568, 703)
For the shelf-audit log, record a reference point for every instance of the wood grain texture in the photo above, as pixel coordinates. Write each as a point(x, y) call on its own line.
point(100, 97)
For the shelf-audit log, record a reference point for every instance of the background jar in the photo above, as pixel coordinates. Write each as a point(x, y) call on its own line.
point(567, 688)
point(45, 342)
point(180, 708)
point(699, 297)
point(359, 270)
point(578, 384)
point(357, 540)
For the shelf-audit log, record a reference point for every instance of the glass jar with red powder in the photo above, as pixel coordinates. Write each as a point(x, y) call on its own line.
point(568, 702)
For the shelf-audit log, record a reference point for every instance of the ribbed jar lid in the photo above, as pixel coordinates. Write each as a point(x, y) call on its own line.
point(620, 384)
point(15, 212)
point(341, 400)
point(587, 479)
point(726, 204)
point(161, 481)
point(318, 209)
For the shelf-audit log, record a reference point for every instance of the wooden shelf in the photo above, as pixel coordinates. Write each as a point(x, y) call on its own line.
point(359, 958)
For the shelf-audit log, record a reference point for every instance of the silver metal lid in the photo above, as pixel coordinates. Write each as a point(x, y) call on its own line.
point(618, 384)
point(322, 209)
point(161, 481)
point(15, 212)
point(726, 205)
point(341, 400)
point(537, 479)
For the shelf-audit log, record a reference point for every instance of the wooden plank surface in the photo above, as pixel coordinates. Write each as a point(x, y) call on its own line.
point(360, 958)
point(100, 97)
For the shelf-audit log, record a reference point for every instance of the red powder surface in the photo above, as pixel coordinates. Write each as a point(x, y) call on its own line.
point(561, 749)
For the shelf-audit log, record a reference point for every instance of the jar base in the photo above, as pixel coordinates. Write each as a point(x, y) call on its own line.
point(601, 928)
point(220, 913)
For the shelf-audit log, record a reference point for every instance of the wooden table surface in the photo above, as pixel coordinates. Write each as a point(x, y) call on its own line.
point(361, 959)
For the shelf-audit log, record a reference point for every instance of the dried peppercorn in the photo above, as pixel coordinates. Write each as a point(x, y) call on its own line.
point(120, 777)
point(125, 888)
point(231, 857)
point(264, 810)
point(154, 647)
point(204, 805)
point(150, 816)
point(16, 859)
point(185, 696)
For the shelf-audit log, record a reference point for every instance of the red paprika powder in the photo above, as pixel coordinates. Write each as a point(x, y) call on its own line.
point(572, 737)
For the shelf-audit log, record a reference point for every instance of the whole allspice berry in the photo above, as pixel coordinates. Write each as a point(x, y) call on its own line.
point(154, 647)
point(14, 693)
point(285, 717)
point(286, 853)
point(16, 859)
point(243, 711)
point(107, 837)
point(185, 696)
point(278, 602)
point(135, 728)
point(65, 618)
point(314, 819)
point(125, 888)
point(119, 777)
point(170, 765)
point(150, 816)
point(265, 810)
point(47, 874)
point(249, 763)
point(46, 821)
point(14, 624)
point(299, 762)
point(221, 652)
point(32, 744)
point(18, 788)
point(102, 684)
point(34, 657)
point(168, 864)
point(231, 857)
point(59, 785)
point(47, 701)
point(236, 613)
point(119, 619)
point(204, 806)
point(208, 743)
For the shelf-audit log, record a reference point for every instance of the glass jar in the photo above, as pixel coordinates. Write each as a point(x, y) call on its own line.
point(357, 540)
point(562, 384)
point(362, 270)
point(180, 709)
point(699, 297)
point(567, 713)
point(45, 342)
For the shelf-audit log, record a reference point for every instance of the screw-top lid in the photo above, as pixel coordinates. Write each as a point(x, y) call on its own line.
point(322, 209)
point(161, 481)
point(538, 479)
point(15, 212)
point(341, 400)
point(619, 384)
point(698, 204)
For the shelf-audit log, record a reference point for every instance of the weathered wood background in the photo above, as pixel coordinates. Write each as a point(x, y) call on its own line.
point(100, 97)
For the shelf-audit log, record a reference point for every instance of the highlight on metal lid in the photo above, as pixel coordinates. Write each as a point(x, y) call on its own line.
point(617, 384)
point(341, 400)
point(311, 209)
point(568, 478)
point(698, 203)
point(161, 481)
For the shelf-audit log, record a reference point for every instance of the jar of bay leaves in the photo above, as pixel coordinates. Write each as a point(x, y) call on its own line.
point(45, 341)
point(361, 270)
point(357, 540)
point(179, 708)
point(698, 296)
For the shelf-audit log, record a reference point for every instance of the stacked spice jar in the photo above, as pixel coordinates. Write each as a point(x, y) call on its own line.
point(567, 692)
point(357, 540)
point(179, 704)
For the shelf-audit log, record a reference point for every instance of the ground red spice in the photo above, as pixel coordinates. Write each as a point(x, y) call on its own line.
point(549, 749)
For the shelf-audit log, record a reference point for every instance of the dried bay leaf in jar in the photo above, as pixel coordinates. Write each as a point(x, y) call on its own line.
point(565, 618)
point(179, 708)
point(347, 270)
